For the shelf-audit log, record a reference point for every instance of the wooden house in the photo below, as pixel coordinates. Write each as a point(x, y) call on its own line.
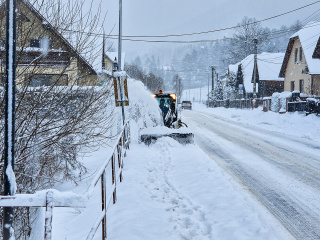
point(268, 81)
point(44, 56)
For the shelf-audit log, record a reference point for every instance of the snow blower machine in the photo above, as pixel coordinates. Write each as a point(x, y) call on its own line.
point(173, 126)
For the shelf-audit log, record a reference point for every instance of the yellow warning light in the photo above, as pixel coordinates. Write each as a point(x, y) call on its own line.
point(153, 95)
point(173, 96)
point(160, 91)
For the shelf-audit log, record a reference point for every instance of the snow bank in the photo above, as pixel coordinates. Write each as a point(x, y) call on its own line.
point(293, 124)
point(143, 110)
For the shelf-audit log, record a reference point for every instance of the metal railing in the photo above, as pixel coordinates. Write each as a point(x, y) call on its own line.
point(52, 198)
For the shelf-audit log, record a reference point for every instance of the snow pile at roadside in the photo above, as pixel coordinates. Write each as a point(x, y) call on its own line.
point(143, 110)
point(295, 124)
point(74, 224)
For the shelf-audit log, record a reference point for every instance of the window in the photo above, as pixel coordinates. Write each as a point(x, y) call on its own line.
point(40, 42)
point(38, 80)
point(296, 55)
point(292, 86)
point(34, 42)
point(300, 54)
point(301, 85)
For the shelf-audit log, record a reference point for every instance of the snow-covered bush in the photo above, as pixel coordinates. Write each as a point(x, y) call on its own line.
point(279, 101)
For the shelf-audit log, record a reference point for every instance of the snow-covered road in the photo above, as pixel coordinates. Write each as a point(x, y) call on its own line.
point(280, 170)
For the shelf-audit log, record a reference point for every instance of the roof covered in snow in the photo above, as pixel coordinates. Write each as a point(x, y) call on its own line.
point(233, 68)
point(308, 37)
point(269, 65)
point(114, 57)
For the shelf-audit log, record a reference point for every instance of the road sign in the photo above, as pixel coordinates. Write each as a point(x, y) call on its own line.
point(123, 86)
point(240, 88)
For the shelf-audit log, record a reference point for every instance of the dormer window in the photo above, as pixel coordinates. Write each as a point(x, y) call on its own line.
point(295, 55)
point(300, 54)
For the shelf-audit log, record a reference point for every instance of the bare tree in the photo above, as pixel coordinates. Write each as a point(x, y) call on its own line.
point(58, 115)
point(242, 44)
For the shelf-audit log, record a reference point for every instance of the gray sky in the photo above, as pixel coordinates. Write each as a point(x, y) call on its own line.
point(157, 17)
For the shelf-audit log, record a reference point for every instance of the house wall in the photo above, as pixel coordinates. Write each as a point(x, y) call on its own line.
point(109, 65)
point(267, 88)
point(294, 71)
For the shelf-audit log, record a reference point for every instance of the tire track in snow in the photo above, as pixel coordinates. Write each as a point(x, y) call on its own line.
point(187, 219)
point(296, 216)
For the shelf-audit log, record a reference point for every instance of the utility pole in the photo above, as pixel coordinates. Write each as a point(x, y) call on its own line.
point(9, 179)
point(119, 61)
point(212, 69)
point(255, 68)
point(120, 36)
point(208, 92)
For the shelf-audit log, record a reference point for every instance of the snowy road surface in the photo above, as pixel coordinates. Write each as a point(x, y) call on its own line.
point(281, 171)
point(171, 191)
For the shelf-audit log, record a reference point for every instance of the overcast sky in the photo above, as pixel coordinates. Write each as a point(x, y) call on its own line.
point(157, 17)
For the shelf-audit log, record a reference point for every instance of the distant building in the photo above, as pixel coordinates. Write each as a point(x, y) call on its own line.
point(301, 65)
point(44, 56)
point(267, 70)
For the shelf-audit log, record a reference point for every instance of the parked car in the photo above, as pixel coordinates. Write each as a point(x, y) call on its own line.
point(186, 105)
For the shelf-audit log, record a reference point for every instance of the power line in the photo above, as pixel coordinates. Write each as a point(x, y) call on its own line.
point(129, 38)
point(274, 35)
point(222, 29)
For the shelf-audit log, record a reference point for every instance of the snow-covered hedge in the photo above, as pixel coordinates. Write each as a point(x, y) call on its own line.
point(279, 101)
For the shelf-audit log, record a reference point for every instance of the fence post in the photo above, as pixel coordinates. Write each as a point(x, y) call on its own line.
point(48, 216)
point(114, 180)
point(103, 205)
